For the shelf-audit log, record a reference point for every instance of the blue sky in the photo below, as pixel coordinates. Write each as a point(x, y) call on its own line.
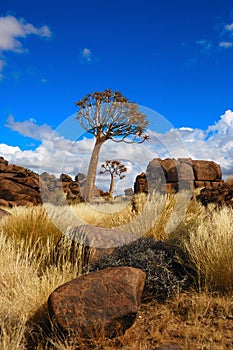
point(174, 57)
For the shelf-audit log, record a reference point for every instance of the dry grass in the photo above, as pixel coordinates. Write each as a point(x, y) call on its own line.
point(210, 246)
point(195, 320)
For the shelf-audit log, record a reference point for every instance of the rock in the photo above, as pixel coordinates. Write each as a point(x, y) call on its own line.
point(96, 242)
point(101, 303)
point(167, 268)
point(171, 175)
point(5, 203)
point(3, 161)
point(80, 177)
point(141, 184)
point(169, 187)
point(206, 170)
point(17, 192)
point(62, 190)
point(219, 195)
point(169, 167)
point(65, 178)
point(129, 192)
point(185, 170)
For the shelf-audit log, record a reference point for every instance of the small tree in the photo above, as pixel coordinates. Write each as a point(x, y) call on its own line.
point(114, 168)
point(108, 115)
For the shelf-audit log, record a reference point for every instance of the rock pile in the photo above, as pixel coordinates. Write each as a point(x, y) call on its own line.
point(171, 175)
point(21, 186)
point(18, 186)
point(62, 189)
point(221, 195)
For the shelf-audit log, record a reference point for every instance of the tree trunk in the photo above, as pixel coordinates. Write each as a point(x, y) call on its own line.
point(89, 189)
point(111, 189)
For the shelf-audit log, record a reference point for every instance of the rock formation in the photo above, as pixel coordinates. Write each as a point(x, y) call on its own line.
point(18, 186)
point(101, 303)
point(171, 175)
point(221, 195)
point(21, 186)
point(94, 241)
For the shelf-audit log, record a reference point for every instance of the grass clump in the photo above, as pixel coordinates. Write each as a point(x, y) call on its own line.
point(210, 246)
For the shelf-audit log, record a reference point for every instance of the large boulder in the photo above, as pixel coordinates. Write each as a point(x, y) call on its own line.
point(91, 241)
point(101, 303)
point(206, 171)
point(171, 175)
point(18, 186)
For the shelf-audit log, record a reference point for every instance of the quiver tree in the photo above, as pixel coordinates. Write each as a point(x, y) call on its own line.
point(108, 115)
point(114, 168)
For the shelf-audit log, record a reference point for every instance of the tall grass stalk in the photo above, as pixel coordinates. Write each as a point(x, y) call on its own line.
point(210, 247)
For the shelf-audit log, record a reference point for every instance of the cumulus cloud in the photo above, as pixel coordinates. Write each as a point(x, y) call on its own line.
point(215, 143)
point(229, 27)
point(87, 55)
point(29, 128)
point(57, 154)
point(13, 30)
point(223, 40)
point(226, 44)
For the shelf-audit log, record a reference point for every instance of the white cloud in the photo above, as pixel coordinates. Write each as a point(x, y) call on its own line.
point(226, 44)
point(7, 150)
point(87, 54)
point(215, 143)
point(229, 27)
point(223, 39)
point(185, 128)
point(29, 128)
point(12, 30)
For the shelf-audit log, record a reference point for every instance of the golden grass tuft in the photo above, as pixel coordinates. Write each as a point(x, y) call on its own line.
point(210, 246)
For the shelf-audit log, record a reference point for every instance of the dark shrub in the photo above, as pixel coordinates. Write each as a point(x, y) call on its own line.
point(167, 267)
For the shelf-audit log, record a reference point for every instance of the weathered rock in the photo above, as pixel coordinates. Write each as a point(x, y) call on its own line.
point(171, 175)
point(167, 268)
point(206, 170)
point(129, 192)
point(141, 184)
point(18, 192)
point(101, 303)
point(219, 195)
point(92, 241)
point(65, 178)
point(185, 170)
point(169, 167)
point(3, 161)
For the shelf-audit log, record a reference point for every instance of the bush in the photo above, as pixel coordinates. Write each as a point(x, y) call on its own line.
point(167, 268)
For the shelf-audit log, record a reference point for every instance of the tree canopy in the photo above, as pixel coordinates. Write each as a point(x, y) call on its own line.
point(109, 115)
